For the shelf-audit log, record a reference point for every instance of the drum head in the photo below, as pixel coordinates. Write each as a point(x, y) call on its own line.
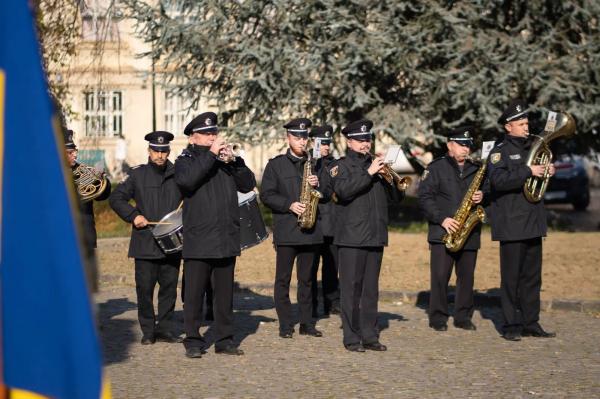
point(175, 219)
point(244, 198)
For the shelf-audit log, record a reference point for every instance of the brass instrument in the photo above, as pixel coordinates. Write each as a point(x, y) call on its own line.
point(467, 219)
point(393, 178)
point(90, 184)
point(231, 152)
point(309, 197)
point(557, 125)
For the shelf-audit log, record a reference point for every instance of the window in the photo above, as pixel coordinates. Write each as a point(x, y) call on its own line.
point(177, 113)
point(103, 113)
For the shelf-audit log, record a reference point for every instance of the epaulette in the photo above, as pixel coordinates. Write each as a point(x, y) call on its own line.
point(185, 153)
point(276, 156)
point(137, 166)
point(437, 159)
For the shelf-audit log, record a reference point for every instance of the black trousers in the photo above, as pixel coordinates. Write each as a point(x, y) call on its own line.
point(286, 254)
point(521, 281)
point(209, 294)
point(329, 276)
point(198, 272)
point(148, 272)
point(442, 262)
point(359, 283)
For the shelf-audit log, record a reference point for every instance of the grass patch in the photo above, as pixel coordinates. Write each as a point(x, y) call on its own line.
point(108, 224)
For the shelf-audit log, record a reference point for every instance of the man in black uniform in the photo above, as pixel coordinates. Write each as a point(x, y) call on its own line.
point(280, 191)
point(86, 212)
point(360, 235)
point(442, 189)
point(152, 186)
point(519, 225)
point(327, 251)
point(211, 229)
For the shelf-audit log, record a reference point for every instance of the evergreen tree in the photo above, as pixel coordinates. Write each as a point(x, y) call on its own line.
point(411, 66)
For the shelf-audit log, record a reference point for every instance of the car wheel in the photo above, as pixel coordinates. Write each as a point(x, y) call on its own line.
point(581, 204)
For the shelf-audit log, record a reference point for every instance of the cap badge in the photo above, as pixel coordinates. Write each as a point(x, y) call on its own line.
point(160, 139)
point(208, 122)
point(518, 108)
point(302, 126)
point(326, 134)
point(363, 128)
point(466, 134)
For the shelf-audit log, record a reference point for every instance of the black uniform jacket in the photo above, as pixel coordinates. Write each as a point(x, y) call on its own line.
point(155, 194)
point(441, 191)
point(326, 214)
point(211, 217)
point(513, 218)
point(281, 185)
point(362, 203)
point(88, 223)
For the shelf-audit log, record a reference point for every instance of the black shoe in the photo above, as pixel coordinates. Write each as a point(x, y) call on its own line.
point(537, 332)
point(168, 337)
point(148, 340)
point(286, 333)
point(193, 352)
point(354, 347)
point(439, 326)
point(375, 346)
point(512, 336)
point(465, 325)
point(307, 329)
point(229, 350)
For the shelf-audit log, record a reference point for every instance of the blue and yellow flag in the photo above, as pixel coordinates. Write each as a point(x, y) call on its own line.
point(49, 344)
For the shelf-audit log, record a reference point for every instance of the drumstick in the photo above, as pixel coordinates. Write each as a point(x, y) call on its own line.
point(159, 223)
point(180, 205)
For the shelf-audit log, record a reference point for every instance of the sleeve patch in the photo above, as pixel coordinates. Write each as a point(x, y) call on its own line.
point(334, 171)
point(495, 158)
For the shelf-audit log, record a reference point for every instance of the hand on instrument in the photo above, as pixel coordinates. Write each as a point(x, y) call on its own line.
point(298, 208)
point(140, 222)
point(450, 225)
point(376, 166)
point(537, 170)
point(218, 146)
point(313, 180)
point(477, 197)
point(551, 170)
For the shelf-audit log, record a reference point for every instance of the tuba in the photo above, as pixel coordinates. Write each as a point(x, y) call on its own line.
point(90, 184)
point(558, 125)
point(309, 197)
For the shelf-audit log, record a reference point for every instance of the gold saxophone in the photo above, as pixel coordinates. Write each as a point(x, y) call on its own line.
point(89, 183)
point(309, 197)
point(557, 125)
point(467, 219)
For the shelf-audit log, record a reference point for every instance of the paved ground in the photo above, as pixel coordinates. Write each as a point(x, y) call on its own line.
point(419, 362)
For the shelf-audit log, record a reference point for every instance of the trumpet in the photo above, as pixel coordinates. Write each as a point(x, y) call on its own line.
point(230, 152)
point(393, 178)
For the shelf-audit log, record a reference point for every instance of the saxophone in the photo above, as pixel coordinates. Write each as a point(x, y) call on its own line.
point(466, 218)
point(309, 197)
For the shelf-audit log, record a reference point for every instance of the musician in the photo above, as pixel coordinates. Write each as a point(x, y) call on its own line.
point(209, 177)
point(326, 251)
point(518, 224)
point(86, 212)
point(360, 235)
point(153, 189)
point(280, 191)
point(441, 192)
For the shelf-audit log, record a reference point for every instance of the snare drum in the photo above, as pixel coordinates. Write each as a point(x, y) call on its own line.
point(252, 227)
point(169, 237)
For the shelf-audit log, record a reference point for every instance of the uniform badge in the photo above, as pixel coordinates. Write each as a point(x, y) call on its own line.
point(495, 158)
point(515, 156)
point(208, 121)
point(160, 139)
point(425, 174)
point(334, 171)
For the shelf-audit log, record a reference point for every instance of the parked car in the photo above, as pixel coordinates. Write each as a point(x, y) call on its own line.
point(570, 183)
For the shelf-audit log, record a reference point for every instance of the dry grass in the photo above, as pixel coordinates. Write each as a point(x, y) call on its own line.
point(571, 264)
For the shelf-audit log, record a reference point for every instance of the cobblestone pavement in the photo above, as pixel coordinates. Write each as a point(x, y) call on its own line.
point(419, 362)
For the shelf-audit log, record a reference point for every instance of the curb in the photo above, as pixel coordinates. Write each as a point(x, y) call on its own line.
point(421, 298)
point(481, 299)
